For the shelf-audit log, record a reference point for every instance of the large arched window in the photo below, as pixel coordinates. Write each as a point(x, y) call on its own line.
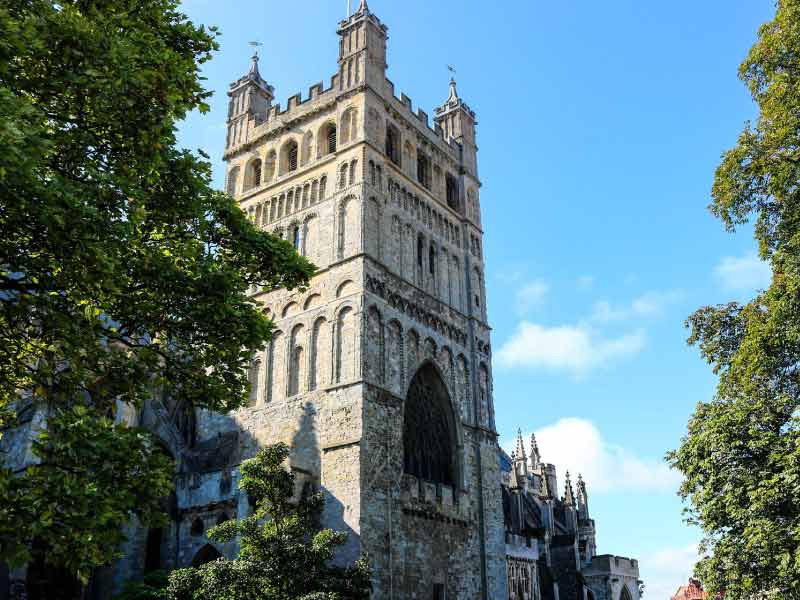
point(625, 594)
point(429, 434)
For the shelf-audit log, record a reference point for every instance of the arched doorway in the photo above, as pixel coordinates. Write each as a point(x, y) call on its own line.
point(206, 554)
point(429, 431)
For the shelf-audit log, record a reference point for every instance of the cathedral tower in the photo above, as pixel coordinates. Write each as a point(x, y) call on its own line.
point(378, 376)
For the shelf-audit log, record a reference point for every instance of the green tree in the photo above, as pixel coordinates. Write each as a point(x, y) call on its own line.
point(284, 555)
point(741, 456)
point(122, 271)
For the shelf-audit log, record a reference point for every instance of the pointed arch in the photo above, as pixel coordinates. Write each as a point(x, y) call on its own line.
point(429, 429)
point(625, 593)
point(206, 554)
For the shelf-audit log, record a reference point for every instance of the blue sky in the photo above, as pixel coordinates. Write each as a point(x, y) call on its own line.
point(600, 126)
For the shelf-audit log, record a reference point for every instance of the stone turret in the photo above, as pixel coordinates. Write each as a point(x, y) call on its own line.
point(250, 100)
point(458, 122)
point(362, 50)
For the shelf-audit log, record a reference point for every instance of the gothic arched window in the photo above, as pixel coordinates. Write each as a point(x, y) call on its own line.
point(429, 435)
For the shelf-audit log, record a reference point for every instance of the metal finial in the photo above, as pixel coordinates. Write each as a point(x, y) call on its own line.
point(255, 46)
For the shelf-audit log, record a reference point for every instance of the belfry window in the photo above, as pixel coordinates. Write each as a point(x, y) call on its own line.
point(331, 139)
point(326, 140)
point(423, 170)
point(393, 144)
point(452, 192)
point(429, 435)
point(288, 160)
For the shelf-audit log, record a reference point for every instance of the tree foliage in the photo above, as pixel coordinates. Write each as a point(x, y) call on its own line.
point(284, 555)
point(741, 456)
point(122, 271)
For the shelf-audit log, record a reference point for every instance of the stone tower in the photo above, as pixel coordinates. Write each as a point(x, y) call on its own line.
point(379, 376)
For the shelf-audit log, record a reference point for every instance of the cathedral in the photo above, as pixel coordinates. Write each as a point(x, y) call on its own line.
point(379, 375)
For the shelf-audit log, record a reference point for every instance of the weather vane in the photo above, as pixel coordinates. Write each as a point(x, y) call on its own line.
point(254, 46)
point(452, 69)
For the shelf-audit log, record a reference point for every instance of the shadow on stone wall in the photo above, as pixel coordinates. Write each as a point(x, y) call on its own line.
point(306, 463)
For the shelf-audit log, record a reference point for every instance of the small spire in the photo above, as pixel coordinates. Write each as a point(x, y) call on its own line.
point(583, 499)
point(545, 489)
point(535, 456)
point(569, 496)
point(453, 97)
point(254, 66)
point(520, 450)
point(362, 7)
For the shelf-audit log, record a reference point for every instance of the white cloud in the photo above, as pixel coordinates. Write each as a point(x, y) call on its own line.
point(531, 295)
point(577, 446)
point(575, 348)
point(649, 304)
point(667, 569)
point(743, 273)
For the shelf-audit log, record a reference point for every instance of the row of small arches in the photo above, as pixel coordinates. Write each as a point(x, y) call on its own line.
point(294, 153)
point(433, 219)
point(428, 174)
point(288, 202)
point(292, 364)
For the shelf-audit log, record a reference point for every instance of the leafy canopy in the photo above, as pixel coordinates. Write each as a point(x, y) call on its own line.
point(122, 271)
point(741, 455)
point(284, 555)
